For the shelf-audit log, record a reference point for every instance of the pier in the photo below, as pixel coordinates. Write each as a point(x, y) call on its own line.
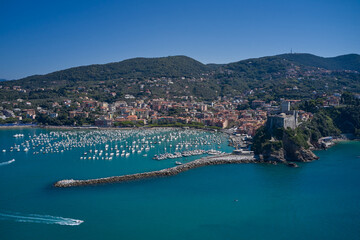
point(212, 160)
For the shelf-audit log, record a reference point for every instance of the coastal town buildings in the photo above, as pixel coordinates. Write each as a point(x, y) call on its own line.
point(226, 112)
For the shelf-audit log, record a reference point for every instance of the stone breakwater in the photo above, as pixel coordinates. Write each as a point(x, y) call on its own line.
point(214, 160)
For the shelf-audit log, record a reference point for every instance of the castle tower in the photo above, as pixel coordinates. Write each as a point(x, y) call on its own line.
point(285, 106)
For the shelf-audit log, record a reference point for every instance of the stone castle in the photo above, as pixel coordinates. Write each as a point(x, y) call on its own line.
point(285, 118)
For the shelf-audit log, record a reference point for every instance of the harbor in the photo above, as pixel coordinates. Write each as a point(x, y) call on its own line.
point(116, 144)
point(185, 146)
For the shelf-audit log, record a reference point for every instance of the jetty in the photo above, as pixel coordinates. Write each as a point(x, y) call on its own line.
point(206, 161)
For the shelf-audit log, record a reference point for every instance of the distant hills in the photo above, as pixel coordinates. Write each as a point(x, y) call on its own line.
point(343, 62)
point(273, 76)
point(2, 80)
point(178, 66)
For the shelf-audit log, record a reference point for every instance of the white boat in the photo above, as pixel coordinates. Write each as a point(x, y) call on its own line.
point(178, 163)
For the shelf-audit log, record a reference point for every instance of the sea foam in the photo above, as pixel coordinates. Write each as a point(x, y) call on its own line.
point(36, 218)
point(6, 163)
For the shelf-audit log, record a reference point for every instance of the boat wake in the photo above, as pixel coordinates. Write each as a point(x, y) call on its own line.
point(36, 218)
point(6, 163)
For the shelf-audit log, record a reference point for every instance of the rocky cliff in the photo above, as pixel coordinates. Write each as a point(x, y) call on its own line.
point(290, 150)
point(295, 152)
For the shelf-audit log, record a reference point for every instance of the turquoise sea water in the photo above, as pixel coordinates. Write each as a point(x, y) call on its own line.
point(318, 200)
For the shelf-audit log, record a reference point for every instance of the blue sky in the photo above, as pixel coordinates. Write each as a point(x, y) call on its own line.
point(38, 37)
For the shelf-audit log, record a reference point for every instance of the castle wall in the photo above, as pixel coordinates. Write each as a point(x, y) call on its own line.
point(281, 121)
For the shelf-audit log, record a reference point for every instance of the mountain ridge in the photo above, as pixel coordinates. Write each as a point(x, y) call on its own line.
point(285, 75)
point(181, 64)
point(341, 62)
point(330, 63)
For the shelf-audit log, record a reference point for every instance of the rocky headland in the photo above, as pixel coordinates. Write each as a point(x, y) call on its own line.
point(290, 151)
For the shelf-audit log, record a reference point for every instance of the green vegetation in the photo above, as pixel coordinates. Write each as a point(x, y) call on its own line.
point(8, 120)
point(175, 111)
point(262, 141)
point(345, 62)
point(299, 137)
point(136, 68)
point(334, 120)
point(281, 76)
point(326, 122)
point(346, 119)
point(320, 126)
point(63, 120)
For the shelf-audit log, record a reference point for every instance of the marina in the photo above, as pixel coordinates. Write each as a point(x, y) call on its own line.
point(111, 144)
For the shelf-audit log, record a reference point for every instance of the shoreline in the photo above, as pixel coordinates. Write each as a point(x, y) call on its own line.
point(102, 128)
point(205, 161)
point(17, 126)
point(335, 141)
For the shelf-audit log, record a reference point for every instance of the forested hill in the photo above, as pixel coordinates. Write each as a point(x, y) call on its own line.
point(286, 75)
point(344, 62)
point(182, 66)
point(174, 66)
point(340, 63)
